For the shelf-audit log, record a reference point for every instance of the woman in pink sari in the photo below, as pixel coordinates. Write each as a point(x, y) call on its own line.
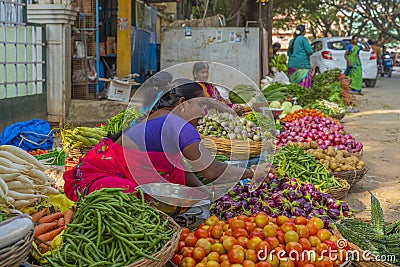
point(151, 150)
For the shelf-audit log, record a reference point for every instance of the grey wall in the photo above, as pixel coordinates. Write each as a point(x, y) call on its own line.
point(244, 54)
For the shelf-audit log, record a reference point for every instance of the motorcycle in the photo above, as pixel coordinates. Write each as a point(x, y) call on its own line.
point(386, 66)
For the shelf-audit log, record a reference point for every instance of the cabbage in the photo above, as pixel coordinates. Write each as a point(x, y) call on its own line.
point(296, 107)
point(286, 105)
point(275, 104)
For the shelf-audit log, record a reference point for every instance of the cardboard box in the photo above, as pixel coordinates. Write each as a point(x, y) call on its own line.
point(102, 49)
point(119, 91)
point(111, 46)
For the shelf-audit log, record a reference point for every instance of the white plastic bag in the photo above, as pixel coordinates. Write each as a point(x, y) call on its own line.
point(281, 77)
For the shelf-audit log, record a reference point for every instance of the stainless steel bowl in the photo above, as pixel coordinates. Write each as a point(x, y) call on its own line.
point(173, 199)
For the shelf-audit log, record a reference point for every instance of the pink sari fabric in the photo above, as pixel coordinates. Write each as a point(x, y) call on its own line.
point(111, 165)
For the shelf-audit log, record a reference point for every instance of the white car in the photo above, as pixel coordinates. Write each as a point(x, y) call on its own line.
point(329, 54)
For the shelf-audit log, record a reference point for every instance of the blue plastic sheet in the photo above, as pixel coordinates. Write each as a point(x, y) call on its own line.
point(28, 135)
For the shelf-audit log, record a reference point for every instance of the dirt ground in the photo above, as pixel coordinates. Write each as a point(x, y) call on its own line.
point(377, 126)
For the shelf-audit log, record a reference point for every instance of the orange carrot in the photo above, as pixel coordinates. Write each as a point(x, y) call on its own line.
point(44, 228)
point(68, 216)
point(51, 217)
point(46, 237)
point(61, 222)
point(38, 215)
point(43, 248)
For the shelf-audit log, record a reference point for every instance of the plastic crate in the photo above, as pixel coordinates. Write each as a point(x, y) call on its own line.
point(53, 157)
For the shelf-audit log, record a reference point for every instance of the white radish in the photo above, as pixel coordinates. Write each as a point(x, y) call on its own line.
point(40, 176)
point(3, 188)
point(25, 191)
point(7, 170)
point(13, 158)
point(15, 185)
point(49, 190)
point(17, 167)
point(25, 179)
point(23, 155)
point(23, 203)
point(7, 200)
point(8, 177)
point(17, 195)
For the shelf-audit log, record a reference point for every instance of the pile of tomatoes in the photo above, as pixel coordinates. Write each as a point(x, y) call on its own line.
point(260, 241)
point(305, 112)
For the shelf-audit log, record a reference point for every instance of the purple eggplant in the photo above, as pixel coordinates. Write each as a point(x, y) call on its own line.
point(254, 210)
point(255, 193)
point(245, 195)
point(225, 198)
point(283, 186)
point(292, 196)
point(301, 202)
point(327, 221)
point(345, 207)
point(253, 200)
point(227, 215)
point(332, 206)
point(315, 212)
point(226, 204)
point(237, 205)
point(317, 196)
point(307, 207)
point(299, 212)
point(333, 213)
point(245, 204)
point(271, 203)
point(237, 190)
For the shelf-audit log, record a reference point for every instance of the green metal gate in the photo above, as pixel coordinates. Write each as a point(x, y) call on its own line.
point(22, 65)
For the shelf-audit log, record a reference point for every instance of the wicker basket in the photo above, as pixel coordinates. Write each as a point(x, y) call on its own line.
point(233, 149)
point(361, 262)
point(352, 177)
point(77, 153)
point(18, 253)
point(339, 192)
point(167, 252)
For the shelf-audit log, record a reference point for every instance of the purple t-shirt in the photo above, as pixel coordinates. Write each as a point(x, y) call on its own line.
point(169, 133)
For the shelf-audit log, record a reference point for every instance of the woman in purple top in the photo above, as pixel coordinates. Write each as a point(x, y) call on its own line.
point(152, 150)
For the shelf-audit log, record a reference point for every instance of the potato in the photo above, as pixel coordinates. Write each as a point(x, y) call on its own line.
point(359, 167)
point(314, 145)
point(333, 165)
point(346, 153)
point(361, 163)
point(338, 170)
point(339, 153)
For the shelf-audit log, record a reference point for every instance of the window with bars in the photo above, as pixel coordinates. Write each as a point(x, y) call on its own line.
point(21, 52)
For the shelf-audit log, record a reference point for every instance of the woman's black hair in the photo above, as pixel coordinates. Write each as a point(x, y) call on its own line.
point(354, 37)
point(178, 88)
point(198, 66)
point(299, 31)
point(154, 85)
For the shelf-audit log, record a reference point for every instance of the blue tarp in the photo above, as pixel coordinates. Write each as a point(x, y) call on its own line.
point(28, 135)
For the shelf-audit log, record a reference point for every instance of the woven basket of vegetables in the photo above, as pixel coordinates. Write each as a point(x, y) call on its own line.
point(16, 236)
point(352, 177)
point(233, 149)
point(113, 228)
point(339, 192)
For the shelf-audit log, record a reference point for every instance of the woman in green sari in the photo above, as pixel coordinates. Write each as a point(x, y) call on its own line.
point(354, 68)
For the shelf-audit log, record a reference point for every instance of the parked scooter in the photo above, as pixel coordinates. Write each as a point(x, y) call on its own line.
point(386, 66)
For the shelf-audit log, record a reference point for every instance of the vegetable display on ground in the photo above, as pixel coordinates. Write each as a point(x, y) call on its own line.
point(22, 180)
point(324, 131)
point(79, 137)
point(111, 228)
point(121, 120)
point(295, 162)
point(225, 125)
point(337, 160)
point(259, 240)
point(288, 197)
